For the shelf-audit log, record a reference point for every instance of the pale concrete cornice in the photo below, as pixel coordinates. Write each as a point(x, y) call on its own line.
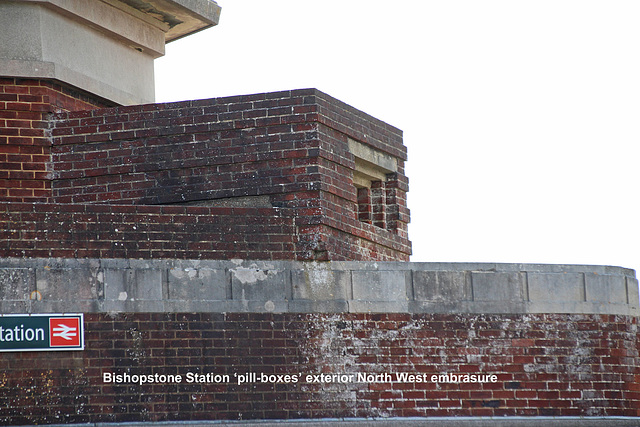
point(142, 25)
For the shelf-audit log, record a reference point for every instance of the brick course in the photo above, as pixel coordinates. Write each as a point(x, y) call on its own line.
point(25, 146)
point(108, 231)
point(546, 364)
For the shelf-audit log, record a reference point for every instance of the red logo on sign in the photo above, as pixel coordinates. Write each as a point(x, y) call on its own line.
point(64, 331)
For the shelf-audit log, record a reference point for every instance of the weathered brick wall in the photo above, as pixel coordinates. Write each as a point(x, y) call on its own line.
point(181, 232)
point(25, 147)
point(545, 364)
point(150, 232)
point(221, 147)
point(286, 153)
point(137, 156)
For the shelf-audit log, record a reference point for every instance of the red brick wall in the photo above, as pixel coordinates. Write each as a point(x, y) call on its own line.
point(288, 147)
point(25, 106)
point(184, 232)
point(546, 364)
point(126, 231)
point(176, 164)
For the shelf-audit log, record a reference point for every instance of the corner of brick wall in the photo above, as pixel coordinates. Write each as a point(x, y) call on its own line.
point(25, 146)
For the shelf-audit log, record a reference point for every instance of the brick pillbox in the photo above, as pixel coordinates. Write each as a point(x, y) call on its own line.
point(247, 257)
point(260, 180)
point(272, 173)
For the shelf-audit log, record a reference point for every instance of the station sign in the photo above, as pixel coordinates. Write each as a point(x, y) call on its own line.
point(41, 332)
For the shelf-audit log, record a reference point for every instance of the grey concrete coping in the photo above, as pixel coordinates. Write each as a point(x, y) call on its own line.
point(39, 285)
point(400, 422)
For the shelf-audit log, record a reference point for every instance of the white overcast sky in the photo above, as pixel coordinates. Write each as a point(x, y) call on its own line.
point(522, 118)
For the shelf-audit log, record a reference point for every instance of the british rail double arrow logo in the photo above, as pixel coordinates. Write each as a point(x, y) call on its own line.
point(64, 331)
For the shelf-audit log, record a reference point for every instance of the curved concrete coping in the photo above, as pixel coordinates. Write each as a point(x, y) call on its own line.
point(122, 285)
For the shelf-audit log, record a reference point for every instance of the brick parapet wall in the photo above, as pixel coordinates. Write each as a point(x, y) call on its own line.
point(545, 365)
point(256, 131)
point(25, 146)
point(182, 167)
